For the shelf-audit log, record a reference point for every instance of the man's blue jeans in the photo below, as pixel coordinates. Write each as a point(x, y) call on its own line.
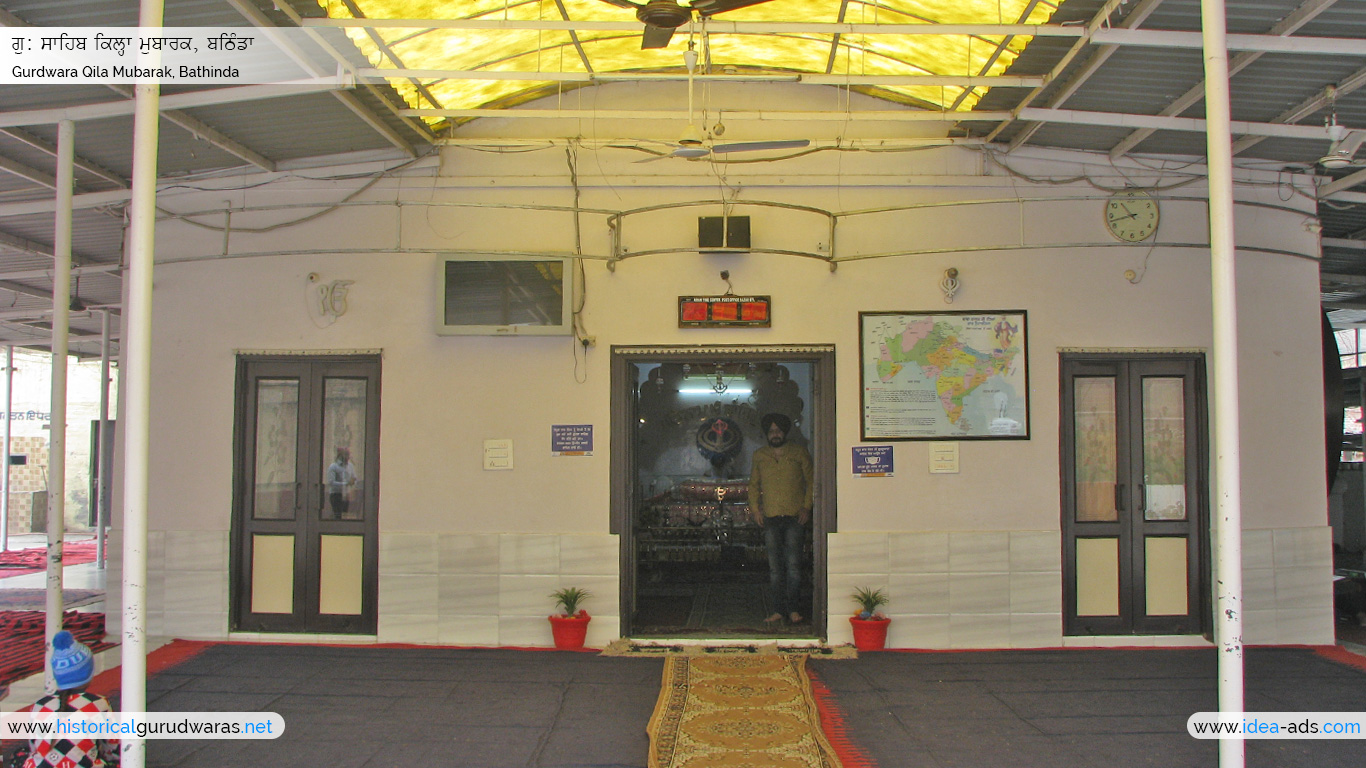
point(783, 538)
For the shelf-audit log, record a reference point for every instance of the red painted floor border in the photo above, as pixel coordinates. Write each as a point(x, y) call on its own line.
point(1341, 655)
point(836, 732)
point(175, 652)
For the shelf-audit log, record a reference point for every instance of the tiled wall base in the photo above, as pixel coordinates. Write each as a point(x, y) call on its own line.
point(948, 589)
point(492, 589)
point(459, 589)
point(1003, 589)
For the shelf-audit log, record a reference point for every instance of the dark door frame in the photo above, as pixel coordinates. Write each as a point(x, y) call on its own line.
point(309, 495)
point(624, 500)
point(1121, 364)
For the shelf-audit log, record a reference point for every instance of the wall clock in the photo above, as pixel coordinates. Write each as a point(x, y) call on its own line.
point(1131, 215)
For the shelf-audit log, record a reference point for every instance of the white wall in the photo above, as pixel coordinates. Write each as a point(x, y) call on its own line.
point(442, 396)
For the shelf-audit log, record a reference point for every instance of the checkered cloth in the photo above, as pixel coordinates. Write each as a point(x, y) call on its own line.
point(82, 753)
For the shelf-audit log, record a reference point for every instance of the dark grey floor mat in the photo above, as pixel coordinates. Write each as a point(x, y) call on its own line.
point(1078, 708)
point(403, 707)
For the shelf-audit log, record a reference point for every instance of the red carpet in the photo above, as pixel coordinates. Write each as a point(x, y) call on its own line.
point(19, 562)
point(21, 640)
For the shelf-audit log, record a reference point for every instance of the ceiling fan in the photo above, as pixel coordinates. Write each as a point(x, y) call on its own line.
point(692, 145)
point(662, 17)
point(1344, 146)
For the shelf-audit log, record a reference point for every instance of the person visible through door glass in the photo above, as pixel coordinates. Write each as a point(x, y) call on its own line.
point(341, 477)
point(780, 499)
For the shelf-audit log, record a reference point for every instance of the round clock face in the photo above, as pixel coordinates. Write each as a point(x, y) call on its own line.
point(1131, 216)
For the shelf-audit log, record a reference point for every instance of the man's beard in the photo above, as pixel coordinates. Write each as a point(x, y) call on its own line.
point(778, 442)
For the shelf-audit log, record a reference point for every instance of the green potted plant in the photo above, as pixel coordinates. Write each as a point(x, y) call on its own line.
point(570, 626)
point(870, 626)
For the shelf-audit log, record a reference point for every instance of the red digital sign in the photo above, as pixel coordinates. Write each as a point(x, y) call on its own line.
point(724, 311)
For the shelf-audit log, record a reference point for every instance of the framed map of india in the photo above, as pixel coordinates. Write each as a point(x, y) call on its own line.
point(944, 375)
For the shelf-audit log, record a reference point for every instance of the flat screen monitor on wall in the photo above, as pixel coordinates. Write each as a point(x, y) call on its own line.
point(504, 295)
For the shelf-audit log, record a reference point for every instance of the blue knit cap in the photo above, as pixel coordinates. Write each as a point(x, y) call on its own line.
point(72, 664)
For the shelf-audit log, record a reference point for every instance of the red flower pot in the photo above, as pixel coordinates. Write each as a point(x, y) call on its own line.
point(870, 634)
point(570, 631)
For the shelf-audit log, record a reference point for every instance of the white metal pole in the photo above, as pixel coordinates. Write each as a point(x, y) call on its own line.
point(1228, 518)
point(104, 460)
point(4, 478)
point(56, 435)
point(135, 393)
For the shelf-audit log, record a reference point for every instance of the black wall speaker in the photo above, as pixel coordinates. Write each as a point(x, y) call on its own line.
point(726, 233)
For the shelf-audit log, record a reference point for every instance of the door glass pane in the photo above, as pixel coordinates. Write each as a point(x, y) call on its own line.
point(1164, 448)
point(1094, 406)
point(277, 445)
point(344, 444)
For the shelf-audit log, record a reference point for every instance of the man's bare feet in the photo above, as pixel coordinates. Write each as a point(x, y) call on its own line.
point(774, 619)
point(795, 618)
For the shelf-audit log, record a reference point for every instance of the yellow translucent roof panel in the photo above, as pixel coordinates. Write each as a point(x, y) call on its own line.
point(530, 51)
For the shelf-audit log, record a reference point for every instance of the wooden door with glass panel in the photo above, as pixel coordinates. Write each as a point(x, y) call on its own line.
point(1134, 505)
point(307, 471)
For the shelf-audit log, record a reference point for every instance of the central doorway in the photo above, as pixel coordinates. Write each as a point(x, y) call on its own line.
point(694, 562)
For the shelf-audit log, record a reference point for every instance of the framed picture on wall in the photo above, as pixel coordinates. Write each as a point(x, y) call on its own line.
point(944, 375)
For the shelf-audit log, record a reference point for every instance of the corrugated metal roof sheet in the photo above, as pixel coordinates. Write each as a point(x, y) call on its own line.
point(1133, 80)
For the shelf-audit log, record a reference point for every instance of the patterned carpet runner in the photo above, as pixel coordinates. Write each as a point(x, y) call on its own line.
point(20, 562)
point(21, 640)
point(738, 711)
point(36, 599)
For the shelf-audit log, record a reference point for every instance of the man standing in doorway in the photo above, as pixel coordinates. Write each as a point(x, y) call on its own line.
point(780, 499)
point(341, 476)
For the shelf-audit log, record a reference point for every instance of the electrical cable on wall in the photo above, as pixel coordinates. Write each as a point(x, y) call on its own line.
point(580, 275)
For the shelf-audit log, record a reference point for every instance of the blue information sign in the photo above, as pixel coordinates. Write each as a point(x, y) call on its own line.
point(873, 460)
point(571, 439)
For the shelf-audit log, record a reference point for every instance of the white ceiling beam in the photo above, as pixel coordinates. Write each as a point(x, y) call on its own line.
point(25, 172)
point(206, 132)
point(38, 314)
point(1074, 117)
point(8, 19)
point(574, 37)
point(1169, 38)
point(1343, 280)
point(1158, 122)
point(384, 48)
point(1309, 106)
point(48, 205)
point(193, 125)
point(232, 95)
point(26, 290)
point(349, 100)
point(1342, 242)
point(1342, 184)
point(23, 245)
point(1101, 18)
point(967, 81)
point(1302, 15)
point(995, 55)
point(835, 41)
point(714, 26)
point(1160, 38)
point(906, 116)
point(1137, 16)
point(112, 270)
point(48, 148)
